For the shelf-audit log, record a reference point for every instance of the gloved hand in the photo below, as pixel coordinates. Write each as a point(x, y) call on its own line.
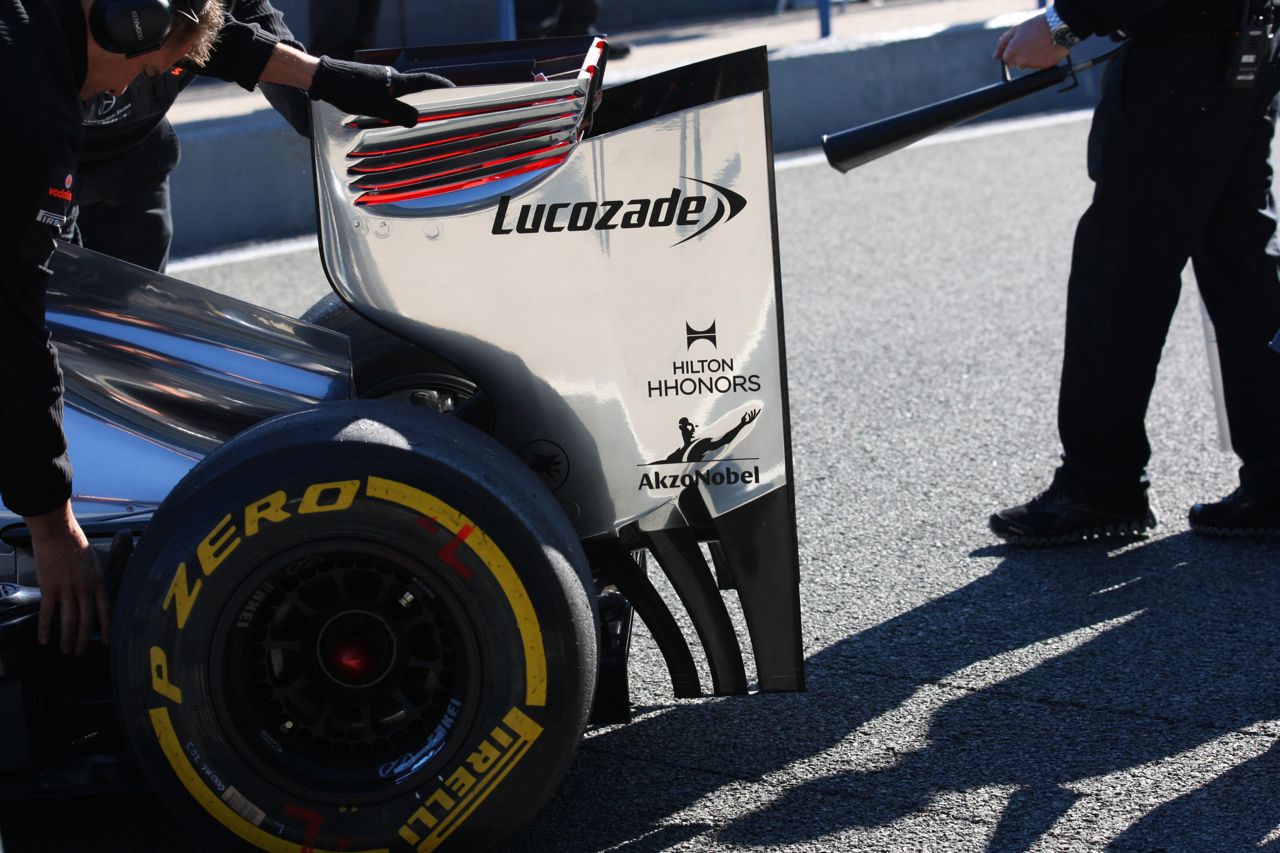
point(371, 90)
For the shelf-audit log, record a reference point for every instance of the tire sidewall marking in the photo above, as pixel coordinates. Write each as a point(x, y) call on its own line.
point(218, 545)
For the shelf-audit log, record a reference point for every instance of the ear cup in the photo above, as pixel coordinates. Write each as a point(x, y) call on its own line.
point(130, 26)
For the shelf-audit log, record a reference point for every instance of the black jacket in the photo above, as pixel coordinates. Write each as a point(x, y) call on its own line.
point(251, 30)
point(42, 61)
point(1208, 18)
point(43, 64)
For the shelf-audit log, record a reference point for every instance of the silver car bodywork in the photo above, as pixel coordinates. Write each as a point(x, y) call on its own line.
point(603, 263)
point(616, 296)
point(159, 372)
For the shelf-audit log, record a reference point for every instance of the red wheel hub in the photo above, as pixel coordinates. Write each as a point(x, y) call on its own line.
point(356, 648)
point(352, 659)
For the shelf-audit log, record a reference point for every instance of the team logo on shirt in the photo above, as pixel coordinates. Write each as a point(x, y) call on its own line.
point(57, 199)
point(62, 194)
point(107, 109)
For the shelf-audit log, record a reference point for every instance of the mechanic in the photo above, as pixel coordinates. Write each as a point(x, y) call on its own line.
point(53, 54)
point(129, 148)
point(1179, 154)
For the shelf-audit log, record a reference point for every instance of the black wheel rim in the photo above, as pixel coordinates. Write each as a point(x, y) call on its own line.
point(347, 670)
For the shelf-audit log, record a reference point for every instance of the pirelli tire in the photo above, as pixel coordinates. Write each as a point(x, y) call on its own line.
point(357, 627)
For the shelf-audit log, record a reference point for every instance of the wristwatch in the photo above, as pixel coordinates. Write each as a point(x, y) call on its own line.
point(1058, 29)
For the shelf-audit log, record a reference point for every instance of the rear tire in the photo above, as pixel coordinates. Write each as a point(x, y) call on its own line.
point(356, 627)
point(387, 367)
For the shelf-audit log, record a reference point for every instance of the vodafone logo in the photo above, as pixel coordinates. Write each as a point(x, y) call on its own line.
point(63, 194)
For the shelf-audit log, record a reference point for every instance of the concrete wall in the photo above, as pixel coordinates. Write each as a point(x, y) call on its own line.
point(638, 14)
point(249, 178)
point(241, 180)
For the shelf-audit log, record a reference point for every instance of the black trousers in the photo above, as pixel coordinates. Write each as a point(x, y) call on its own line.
point(123, 202)
point(1182, 171)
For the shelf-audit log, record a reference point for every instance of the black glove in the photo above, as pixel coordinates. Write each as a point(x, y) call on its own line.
point(371, 90)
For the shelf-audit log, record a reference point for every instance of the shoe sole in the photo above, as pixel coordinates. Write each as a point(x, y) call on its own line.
point(1260, 533)
point(1121, 530)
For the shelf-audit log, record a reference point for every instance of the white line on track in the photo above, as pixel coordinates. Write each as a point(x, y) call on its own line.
point(258, 251)
point(255, 252)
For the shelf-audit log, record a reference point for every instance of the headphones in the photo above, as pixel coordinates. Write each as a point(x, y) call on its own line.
point(132, 27)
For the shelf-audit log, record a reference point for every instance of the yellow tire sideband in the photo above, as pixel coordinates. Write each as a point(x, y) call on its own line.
point(491, 555)
point(215, 806)
point(230, 809)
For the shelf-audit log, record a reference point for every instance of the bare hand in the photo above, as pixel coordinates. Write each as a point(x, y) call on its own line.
point(750, 416)
point(1029, 45)
point(70, 579)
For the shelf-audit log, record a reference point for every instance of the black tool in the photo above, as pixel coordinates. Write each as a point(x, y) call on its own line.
point(848, 149)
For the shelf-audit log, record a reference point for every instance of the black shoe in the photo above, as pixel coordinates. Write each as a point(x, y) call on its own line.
point(1240, 515)
point(1055, 518)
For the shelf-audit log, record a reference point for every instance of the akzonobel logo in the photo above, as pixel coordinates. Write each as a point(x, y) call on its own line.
point(677, 209)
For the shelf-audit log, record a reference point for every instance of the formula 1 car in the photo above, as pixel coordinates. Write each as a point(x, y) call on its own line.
point(374, 570)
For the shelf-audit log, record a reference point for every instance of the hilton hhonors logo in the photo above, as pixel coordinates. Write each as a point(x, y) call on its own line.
point(701, 376)
point(693, 335)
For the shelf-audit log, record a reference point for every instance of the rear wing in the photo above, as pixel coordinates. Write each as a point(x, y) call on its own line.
point(604, 262)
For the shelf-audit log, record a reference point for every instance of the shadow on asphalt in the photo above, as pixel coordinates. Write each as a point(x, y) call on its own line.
point(1191, 657)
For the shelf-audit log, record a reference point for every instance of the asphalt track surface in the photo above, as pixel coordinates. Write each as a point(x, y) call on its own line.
point(962, 695)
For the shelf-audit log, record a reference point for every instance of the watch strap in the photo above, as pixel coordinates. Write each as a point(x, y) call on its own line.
point(1058, 29)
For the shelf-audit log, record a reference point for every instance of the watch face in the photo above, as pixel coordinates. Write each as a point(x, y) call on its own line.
point(1063, 37)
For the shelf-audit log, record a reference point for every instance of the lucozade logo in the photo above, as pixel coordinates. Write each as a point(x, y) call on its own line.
point(703, 212)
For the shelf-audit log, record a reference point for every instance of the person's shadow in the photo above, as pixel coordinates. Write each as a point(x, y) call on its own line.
point(1059, 667)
